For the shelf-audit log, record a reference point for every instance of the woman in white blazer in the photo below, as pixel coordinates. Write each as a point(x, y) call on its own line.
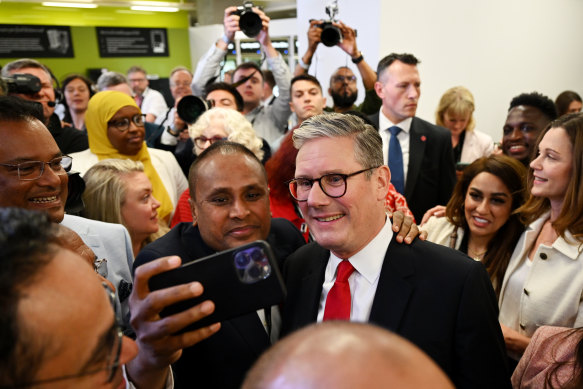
point(543, 284)
point(456, 113)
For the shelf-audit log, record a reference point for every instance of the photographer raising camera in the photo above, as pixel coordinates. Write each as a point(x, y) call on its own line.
point(268, 122)
point(342, 88)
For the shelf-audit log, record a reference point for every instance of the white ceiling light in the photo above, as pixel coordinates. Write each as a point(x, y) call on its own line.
point(68, 5)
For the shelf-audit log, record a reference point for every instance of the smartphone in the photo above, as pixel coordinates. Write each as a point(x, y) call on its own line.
point(238, 281)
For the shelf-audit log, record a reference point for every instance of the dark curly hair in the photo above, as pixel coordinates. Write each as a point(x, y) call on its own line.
point(537, 100)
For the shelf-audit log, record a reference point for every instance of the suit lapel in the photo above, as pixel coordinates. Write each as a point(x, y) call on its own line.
point(393, 290)
point(311, 284)
point(417, 142)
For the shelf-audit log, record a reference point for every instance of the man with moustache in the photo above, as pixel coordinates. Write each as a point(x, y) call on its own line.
point(342, 87)
point(528, 115)
point(419, 153)
point(68, 139)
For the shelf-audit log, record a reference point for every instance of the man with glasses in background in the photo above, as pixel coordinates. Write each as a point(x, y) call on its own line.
point(59, 324)
point(150, 101)
point(436, 297)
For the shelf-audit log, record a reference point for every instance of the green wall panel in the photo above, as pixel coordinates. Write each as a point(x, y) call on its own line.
point(84, 37)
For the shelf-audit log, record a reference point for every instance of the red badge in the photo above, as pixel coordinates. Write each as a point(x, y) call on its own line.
point(423, 138)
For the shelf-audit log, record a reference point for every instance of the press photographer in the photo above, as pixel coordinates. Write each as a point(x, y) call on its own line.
point(342, 88)
point(268, 122)
point(68, 139)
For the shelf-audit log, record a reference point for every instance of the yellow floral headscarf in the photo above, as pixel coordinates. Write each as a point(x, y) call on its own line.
point(102, 107)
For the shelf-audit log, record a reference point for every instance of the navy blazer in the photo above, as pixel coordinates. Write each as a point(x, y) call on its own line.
point(434, 296)
point(431, 170)
point(222, 360)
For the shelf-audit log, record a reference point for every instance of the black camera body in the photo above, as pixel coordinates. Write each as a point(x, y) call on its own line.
point(189, 108)
point(26, 84)
point(331, 35)
point(250, 23)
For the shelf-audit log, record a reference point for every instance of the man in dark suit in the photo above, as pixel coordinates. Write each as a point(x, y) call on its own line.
point(230, 207)
point(434, 296)
point(422, 163)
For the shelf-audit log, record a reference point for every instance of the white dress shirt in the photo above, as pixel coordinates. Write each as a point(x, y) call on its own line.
point(364, 280)
point(403, 137)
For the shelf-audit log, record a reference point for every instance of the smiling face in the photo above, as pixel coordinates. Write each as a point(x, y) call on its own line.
point(231, 203)
point(346, 224)
point(553, 166)
point(523, 125)
point(77, 95)
point(128, 142)
point(399, 87)
point(51, 323)
point(31, 141)
point(487, 206)
point(180, 84)
point(306, 99)
point(139, 206)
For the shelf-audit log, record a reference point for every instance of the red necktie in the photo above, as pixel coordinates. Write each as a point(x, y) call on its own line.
point(338, 299)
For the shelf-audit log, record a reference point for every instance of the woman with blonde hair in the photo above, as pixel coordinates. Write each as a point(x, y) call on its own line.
point(118, 191)
point(456, 113)
point(215, 125)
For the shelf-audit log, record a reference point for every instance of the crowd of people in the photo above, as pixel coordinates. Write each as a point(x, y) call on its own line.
point(108, 186)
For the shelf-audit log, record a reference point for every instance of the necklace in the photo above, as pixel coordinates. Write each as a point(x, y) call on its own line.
point(477, 256)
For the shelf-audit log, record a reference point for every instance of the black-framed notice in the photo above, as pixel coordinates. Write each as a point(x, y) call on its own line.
point(132, 42)
point(32, 41)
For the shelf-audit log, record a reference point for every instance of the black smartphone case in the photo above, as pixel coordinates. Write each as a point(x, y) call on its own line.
point(234, 288)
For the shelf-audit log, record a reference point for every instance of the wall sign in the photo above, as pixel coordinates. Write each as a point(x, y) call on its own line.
point(32, 41)
point(132, 42)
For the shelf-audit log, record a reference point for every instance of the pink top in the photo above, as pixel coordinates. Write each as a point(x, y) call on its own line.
point(548, 346)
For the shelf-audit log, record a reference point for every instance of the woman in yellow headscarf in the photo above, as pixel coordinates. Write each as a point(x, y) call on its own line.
point(115, 127)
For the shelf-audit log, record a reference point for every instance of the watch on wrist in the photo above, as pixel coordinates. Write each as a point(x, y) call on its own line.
point(358, 59)
point(304, 65)
point(172, 132)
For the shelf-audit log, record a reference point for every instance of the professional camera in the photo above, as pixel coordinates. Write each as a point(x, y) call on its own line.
point(22, 83)
point(189, 108)
point(250, 23)
point(331, 35)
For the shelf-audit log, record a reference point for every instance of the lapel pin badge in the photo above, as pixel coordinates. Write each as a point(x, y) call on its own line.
point(423, 138)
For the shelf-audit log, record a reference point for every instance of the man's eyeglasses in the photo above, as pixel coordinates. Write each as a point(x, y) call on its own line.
point(112, 362)
point(123, 124)
point(333, 185)
point(33, 170)
point(200, 141)
point(341, 78)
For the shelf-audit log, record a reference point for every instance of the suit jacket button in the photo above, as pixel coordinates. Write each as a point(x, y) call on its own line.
point(543, 256)
point(522, 326)
point(526, 292)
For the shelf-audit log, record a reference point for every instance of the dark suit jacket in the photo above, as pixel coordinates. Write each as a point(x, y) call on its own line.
point(431, 170)
point(222, 360)
point(433, 296)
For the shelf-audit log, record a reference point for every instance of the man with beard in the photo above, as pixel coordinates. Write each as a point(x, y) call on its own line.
point(343, 81)
point(528, 115)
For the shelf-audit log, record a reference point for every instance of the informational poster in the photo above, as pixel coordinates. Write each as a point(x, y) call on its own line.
point(132, 42)
point(32, 41)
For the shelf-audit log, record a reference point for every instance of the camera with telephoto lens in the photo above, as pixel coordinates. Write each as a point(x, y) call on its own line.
point(331, 35)
point(26, 84)
point(189, 108)
point(250, 22)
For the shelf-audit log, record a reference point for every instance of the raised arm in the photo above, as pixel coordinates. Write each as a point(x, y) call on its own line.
point(314, 33)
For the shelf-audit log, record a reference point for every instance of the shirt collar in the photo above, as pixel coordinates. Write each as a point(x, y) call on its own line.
point(385, 123)
point(369, 261)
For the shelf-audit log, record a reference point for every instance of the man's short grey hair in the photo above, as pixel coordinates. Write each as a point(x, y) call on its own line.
point(178, 69)
point(368, 145)
point(108, 79)
point(23, 63)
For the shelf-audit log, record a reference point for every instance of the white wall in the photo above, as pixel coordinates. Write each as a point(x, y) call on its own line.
point(496, 48)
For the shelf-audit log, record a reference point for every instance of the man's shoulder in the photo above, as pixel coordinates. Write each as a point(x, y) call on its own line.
point(420, 124)
point(172, 243)
point(285, 237)
point(77, 222)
